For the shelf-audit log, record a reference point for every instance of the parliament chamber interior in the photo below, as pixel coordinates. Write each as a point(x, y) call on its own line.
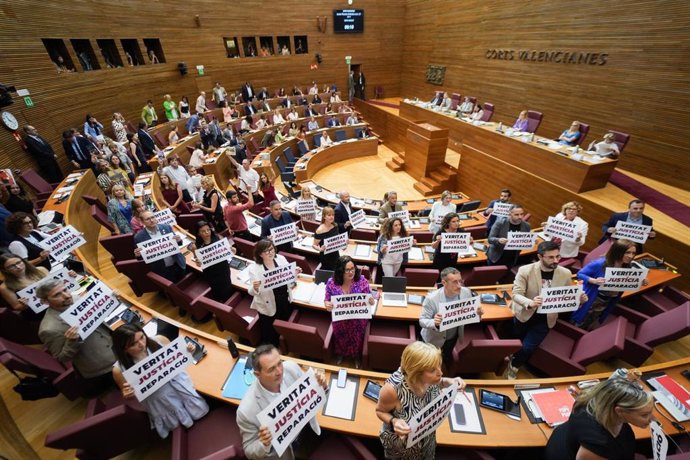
point(362, 229)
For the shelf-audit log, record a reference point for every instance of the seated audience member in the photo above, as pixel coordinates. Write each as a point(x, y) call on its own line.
point(173, 136)
point(138, 207)
point(249, 109)
point(198, 157)
point(329, 108)
point(449, 224)
point(313, 89)
point(570, 135)
point(19, 274)
point(599, 425)
point(437, 99)
point(418, 381)
point(174, 403)
point(26, 239)
point(477, 113)
point(326, 139)
point(210, 205)
point(528, 325)
point(605, 148)
point(390, 205)
point(328, 229)
point(335, 97)
point(498, 237)
point(333, 122)
point(93, 356)
point(14, 199)
point(276, 218)
point(293, 115)
point(447, 101)
point(273, 376)
point(504, 197)
point(261, 122)
point(120, 209)
point(246, 125)
point(466, 106)
point(439, 210)
point(218, 274)
point(302, 135)
point(601, 303)
point(279, 136)
point(172, 195)
point(352, 120)
point(344, 108)
point(233, 213)
point(229, 113)
point(271, 304)
point(179, 175)
point(284, 51)
point(268, 138)
point(521, 123)
point(268, 191)
point(317, 99)
point(278, 117)
point(571, 212)
point(348, 335)
point(451, 290)
point(313, 124)
point(634, 215)
point(281, 92)
point(391, 229)
point(364, 133)
point(172, 267)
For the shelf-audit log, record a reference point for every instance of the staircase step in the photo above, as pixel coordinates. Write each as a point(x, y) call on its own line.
point(430, 182)
point(393, 166)
point(423, 189)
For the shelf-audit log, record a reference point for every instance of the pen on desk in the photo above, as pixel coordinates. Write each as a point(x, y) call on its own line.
point(466, 397)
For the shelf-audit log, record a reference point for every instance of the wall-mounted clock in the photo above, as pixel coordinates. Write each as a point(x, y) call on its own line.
point(9, 121)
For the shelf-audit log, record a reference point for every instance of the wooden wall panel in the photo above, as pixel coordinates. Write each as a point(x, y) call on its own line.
point(62, 101)
point(642, 89)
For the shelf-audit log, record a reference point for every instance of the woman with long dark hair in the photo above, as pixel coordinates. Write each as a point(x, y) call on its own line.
point(19, 274)
point(26, 239)
point(218, 274)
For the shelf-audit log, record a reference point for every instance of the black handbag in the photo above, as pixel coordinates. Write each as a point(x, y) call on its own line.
point(33, 388)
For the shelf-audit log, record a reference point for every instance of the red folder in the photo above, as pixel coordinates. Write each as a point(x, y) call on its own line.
point(673, 387)
point(555, 406)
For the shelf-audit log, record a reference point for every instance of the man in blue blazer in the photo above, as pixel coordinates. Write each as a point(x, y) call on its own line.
point(343, 210)
point(634, 215)
point(172, 267)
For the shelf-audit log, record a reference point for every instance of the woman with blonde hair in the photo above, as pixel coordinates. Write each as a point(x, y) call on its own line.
point(415, 384)
point(439, 210)
point(119, 127)
point(521, 123)
point(211, 205)
point(120, 209)
point(570, 212)
point(599, 426)
point(138, 207)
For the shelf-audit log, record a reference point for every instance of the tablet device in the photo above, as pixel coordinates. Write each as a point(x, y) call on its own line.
point(372, 390)
point(498, 402)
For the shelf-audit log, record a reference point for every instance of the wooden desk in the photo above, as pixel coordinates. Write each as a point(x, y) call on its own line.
point(574, 175)
point(311, 163)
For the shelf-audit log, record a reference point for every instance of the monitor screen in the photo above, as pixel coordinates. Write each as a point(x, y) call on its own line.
point(348, 21)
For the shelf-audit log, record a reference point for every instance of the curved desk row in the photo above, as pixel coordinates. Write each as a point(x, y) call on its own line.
point(210, 374)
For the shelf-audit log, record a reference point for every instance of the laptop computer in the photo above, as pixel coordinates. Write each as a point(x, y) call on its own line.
point(394, 291)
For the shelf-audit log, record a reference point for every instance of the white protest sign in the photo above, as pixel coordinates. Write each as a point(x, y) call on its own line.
point(214, 253)
point(402, 215)
point(623, 279)
point(29, 292)
point(459, 312)
point(659, 441)
point(165, 217)
point(560, 299)
point(458, 242)
point(158, 248)
point(138, 189)
point(290, 412)
point(60, 244)
point(425, 422)
point(399, 245)
point(279, 276)
point(305, 207)
point(90, 310)
point(501, 209)
point(560, 228)
point(520, 240)
point(351, 306)
point(335, 243)
point(633, 232)
point(284, 234)
point(358, 218)
point(438, 220)
point(150, 374)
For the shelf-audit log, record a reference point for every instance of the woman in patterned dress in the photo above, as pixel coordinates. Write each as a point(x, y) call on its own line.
point(348, 334)
point(408, 390)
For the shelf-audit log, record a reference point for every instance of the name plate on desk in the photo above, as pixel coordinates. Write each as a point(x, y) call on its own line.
point(520, 240)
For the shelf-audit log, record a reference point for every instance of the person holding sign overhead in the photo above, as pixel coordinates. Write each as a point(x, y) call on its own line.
point(171, 267)
point(276, 218)
point(218, 274)
point(390, 205)
point(498, 237)
point(19, 274)
point(348, 335)
point(390, 263)
point(599, 425)
point(327, 229)
point(602, 302)
point(439, 210)
point(415, 384)
point(93, 356)
point(174, 403)
point(430, 320)
point(270, 303)
point(634, 215)
point(528, 325)
point(273, 377)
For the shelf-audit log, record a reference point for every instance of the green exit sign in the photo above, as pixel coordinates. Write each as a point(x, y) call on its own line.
point(28, 101)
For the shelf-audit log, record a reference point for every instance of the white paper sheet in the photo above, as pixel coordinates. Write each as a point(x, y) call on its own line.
point(341, 401)
point(472, 422)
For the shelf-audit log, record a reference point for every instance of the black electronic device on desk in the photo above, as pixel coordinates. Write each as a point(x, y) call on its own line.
point(651, 263)
point(372, 390)
point(499, 402)
point(199, 350)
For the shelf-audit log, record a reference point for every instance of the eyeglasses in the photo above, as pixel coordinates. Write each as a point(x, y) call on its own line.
point(271, 249)
point(350, 270)
point(14, 266)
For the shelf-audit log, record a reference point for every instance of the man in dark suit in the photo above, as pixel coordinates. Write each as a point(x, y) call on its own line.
point(634, 215)
point(498, 237)
point(317, 99)
point(361, 82)
point(343, 210)
point(287, 103)
point(172, 267)
point(148, 145)
point(263, 94)
point(44, 155)
point(333, 122)
point(248, 92)
point(249, 109)
point(78, 149)
point(310, 112)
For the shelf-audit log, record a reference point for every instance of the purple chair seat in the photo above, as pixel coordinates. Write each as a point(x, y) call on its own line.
point(486, 276)
point(230, 316)
point(384, 342)
point(347, 448)
point(481, 350)
point(421, 277)
point(214, 437)
point(306, 332)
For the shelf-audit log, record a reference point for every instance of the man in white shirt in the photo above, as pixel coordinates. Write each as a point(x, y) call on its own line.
point(180, 176)
point(201, 103)
point(249, 179)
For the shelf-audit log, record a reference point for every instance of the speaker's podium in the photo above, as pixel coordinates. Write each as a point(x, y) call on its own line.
point(424, 158)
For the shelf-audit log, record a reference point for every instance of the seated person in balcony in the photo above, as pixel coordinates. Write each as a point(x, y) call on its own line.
point(352, 119)
point(278, 117)
point(606, 147)
point(570, 135)
point(317, 99)
point(310, 111)
point(521, 123)
point(246, 124)
point(293, 115)
point(261, 123)
point(466, 106)
point(333, 122)
point(390, 205)
point(477, 113)
point(326, 139)
point(313, 124)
